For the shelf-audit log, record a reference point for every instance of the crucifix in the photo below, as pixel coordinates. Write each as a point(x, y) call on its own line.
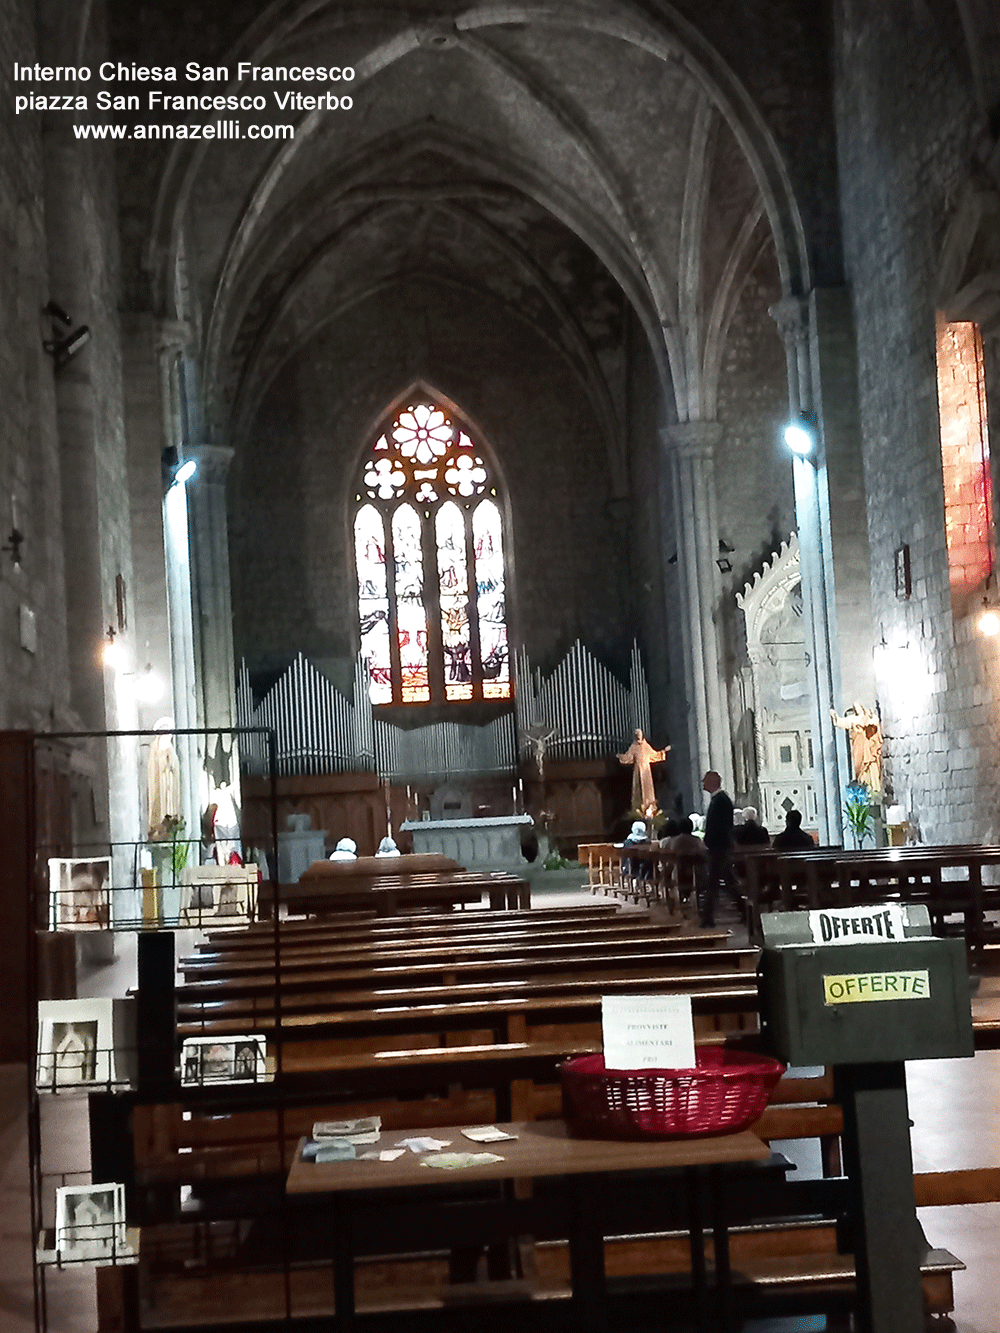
point(641, 755)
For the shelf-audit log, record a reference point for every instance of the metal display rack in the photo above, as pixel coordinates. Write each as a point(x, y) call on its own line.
point(105, 1067)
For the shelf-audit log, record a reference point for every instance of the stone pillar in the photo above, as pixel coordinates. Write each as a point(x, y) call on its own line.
point(690, 447)
point(173, 336)
point(211, 593)
point(832, 528)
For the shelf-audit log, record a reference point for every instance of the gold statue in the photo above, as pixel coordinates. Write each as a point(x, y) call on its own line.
point(641, 755)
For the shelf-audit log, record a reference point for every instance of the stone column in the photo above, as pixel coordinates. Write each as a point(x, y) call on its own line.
point(211, 592)
point(820, 379)
point(690, 447)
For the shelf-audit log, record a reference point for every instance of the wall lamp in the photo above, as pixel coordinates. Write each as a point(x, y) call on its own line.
point(175, 469)
point(800, 435)
point(112, 653)
point(64, 349)
point(723, 561)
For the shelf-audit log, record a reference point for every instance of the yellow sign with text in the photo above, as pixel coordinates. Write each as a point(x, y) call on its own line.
point(864, 987)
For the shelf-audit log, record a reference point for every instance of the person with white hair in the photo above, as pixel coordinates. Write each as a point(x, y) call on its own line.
point(345, 850)
point(387, 847)
point(748, 832)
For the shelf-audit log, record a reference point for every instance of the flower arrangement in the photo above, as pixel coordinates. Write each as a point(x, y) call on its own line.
point(859, 809)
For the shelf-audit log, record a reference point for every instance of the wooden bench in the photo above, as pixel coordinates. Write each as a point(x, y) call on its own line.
point(390, 894)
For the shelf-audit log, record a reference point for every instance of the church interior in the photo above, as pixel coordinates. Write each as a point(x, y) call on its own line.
point(470, 425)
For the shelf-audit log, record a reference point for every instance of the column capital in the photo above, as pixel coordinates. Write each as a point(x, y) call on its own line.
point(213, 461)
point(693, 439)
point(172, 335)
point(791, 314)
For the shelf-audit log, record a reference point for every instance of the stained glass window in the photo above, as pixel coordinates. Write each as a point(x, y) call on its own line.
point(411, 618)
point(373, 600)
point(436, 629)
point(488, 545)
point(453, 582)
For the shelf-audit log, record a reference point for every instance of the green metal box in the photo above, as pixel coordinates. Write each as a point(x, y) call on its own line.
point(866, 1003)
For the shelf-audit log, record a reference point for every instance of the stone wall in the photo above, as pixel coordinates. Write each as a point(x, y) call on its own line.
point(905, 125)
point(33, 685)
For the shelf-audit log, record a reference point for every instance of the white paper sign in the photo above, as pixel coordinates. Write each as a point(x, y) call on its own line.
point(647, 1032)
point(882, 924)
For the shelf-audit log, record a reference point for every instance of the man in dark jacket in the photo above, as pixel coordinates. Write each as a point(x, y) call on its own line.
point(793, 839)
point(719, 846)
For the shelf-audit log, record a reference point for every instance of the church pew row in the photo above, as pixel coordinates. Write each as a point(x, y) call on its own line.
point(547, 933)
point(317, 972)
point(772, 1263)
point(540, 943)
point(365, 925)
point(390, 894)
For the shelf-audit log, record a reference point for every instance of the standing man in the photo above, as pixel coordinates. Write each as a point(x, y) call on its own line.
point(719, 846)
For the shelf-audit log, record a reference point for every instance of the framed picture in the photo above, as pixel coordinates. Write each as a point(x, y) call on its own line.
point(75, 1044)
point(208, 1060)
point(79, 893)
point(90, 1222)
point(227, 894)
point(902, 564)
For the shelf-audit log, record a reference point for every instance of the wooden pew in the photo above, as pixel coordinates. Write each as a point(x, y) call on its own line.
point(365, 926)
point(462, 956)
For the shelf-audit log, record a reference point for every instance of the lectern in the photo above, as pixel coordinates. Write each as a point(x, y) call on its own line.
point(864, 989)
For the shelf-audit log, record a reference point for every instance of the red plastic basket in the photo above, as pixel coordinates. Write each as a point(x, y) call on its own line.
point(725, 1093)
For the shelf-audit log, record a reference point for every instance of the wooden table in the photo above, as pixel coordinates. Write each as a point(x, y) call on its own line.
point(380, 1203)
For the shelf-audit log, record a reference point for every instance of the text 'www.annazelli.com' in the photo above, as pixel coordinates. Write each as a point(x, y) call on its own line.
point(219, 129)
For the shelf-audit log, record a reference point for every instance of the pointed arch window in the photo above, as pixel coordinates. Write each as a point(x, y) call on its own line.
point(429, 554)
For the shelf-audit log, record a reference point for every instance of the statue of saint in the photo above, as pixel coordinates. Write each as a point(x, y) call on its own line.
point(163, 781)
point(866, 743)
point(641, 755)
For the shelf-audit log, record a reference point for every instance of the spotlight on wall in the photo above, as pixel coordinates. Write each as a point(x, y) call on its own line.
point(988, 623)
point(175, 469)
point(63, 350)
point(112, 653)
point(800, 435)
point(148, 685)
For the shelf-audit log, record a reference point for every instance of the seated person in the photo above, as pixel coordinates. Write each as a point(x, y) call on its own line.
point(388, 848)
point(668, 832)
point(345, 850)
point(793, 839)
point(637, 869)
point(685, 845)
point(748, 833)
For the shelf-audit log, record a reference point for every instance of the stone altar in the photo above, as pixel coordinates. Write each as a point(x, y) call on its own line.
point(495, 843)
point(298, 848)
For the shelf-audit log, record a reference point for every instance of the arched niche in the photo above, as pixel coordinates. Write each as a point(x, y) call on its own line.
point(772, 606)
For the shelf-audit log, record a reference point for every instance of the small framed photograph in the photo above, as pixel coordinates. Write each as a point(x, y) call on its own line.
point(227, 894)
point(75, 1044)
point(208, 1060)
point(79, 893)
point(90, 1223)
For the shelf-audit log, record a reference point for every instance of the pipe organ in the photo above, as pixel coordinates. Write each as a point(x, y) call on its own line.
point(319, 730)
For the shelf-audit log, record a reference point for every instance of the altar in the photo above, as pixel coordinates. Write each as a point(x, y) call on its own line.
point(493, 843)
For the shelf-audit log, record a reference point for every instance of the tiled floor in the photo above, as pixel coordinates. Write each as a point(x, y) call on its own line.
point(954, 1105)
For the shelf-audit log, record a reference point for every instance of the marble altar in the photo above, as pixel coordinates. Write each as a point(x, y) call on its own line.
point(473, 843)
